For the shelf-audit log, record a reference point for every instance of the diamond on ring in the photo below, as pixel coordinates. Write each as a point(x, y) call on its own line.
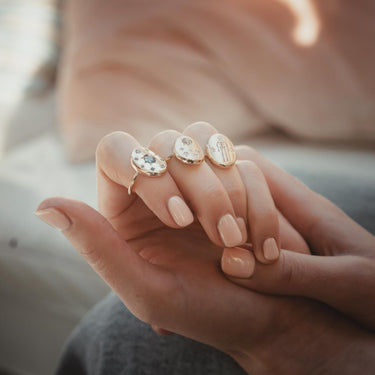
point(188, 150)
point(146, 162)
point(220, 151)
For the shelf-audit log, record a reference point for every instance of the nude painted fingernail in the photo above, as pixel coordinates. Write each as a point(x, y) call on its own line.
point(238, 262)
point(54, 218)
point(242, 225)
point(270, 249)
point(229, 231)
point(180, 211)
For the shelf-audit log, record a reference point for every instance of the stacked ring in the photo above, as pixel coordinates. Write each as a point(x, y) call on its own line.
point(146, 162)
point(220, 151)
point(187, 150)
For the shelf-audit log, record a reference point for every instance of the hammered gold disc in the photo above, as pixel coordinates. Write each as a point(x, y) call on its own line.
point(220, 151)
point(188, 150)
point(147, 162)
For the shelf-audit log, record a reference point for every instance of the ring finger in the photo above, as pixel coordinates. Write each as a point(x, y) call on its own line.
point(203, 191)
point(229, 177)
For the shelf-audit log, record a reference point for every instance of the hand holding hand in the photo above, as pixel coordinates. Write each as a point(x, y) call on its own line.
point(168, 272)
point(341, 271)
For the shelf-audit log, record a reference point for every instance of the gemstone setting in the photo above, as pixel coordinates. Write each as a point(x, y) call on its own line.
point(147, 162)
point(188, 150)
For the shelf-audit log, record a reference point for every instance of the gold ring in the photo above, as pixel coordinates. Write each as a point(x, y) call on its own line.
point(220, 151)
point(146, 162)
point(187, 150)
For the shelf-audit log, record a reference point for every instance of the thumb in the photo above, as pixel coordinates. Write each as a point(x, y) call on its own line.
point(343, 282)
point(135, 280)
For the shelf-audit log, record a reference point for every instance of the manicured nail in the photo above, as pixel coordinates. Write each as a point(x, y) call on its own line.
point(229, 231)
point(238, 262)
point(242, 225)
point(180, 211)
point(54, 218)
point(270, 249)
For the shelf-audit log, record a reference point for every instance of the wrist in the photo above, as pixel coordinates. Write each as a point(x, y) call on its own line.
point(322, 342)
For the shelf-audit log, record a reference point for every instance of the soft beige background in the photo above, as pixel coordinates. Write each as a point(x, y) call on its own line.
point(305, 67)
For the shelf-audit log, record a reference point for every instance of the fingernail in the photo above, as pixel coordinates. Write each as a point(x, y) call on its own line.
point(54, 218)
point(180, 211)
point(229, 231)
point(238, 262)
point(270, 249)
point(242, 225)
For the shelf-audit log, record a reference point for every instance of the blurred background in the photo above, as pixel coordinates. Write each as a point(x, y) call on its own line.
point(293, 78)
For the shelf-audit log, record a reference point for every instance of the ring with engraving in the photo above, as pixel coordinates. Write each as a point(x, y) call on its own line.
point(187, 150)
point(220, 151)
point(146, 162)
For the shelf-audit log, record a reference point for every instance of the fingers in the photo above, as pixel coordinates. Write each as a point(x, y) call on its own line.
point(261, 213)
point(138, 282)
point(204, 191)
point(115, 172)
point(321, 223)
point(343, 282)
point(229, 177)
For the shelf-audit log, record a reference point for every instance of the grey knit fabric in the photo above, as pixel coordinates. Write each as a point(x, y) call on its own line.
point(110, 340)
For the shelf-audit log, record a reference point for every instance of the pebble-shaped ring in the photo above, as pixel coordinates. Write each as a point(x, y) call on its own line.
point(220, 151)
point(146, 162)
point(187, 150)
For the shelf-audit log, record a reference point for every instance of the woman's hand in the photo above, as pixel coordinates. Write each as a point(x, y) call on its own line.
point(341, 271)
point(233, 205)
point(169, 275)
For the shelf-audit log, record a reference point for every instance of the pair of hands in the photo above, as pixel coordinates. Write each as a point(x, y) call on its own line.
point(164, 262)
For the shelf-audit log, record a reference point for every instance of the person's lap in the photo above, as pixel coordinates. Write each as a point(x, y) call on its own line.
point(110, 340)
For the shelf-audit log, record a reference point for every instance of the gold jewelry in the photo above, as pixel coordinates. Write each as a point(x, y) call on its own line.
point(146, 162)
point(188, 150)
point(220, 151)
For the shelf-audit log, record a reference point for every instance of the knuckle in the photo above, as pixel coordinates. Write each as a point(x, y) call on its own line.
point(106, 143)
point(200, 126)
point(264, 223)
point(237, 194)
point(250, 169)
point(245, 152)
point(110, 142)
point(269, 216)
point(213, 192)
point(160, 137)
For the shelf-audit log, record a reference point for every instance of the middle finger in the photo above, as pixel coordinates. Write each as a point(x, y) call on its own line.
point(203, 191)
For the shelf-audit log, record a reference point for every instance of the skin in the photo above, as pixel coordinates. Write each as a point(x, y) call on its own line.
point(171, 278)
point(342, 271)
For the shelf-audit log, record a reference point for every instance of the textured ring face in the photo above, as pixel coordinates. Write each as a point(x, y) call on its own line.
point(147, 162)
point(188, 150)
point(220, 151)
